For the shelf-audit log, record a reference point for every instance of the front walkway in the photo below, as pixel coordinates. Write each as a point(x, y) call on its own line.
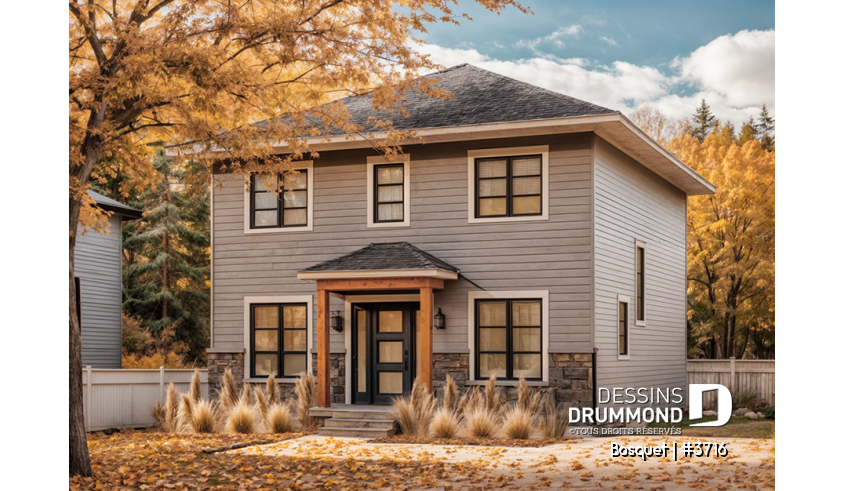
point(581, 464)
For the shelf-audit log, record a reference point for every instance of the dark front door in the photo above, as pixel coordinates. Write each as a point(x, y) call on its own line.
point(383, 361)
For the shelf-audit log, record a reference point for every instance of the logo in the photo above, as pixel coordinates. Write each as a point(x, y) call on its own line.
point(696, 405)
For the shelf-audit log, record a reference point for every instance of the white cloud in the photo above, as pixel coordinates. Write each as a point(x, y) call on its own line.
point(740, 67)
point(555, 38)
point(608, 40)
point(734, 73)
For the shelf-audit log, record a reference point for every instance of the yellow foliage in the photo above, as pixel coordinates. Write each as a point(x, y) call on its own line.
point(156, 360)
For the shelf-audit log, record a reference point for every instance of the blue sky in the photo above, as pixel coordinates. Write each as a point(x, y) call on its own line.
point(624, 54)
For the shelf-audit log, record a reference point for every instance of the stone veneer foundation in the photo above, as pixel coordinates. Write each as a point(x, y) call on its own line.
point(570, 376)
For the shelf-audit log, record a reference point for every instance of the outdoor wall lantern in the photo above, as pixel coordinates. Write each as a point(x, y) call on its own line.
point(439, 320)
point(337, 321)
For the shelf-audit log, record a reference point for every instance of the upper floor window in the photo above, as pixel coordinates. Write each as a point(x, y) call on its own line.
point(270, 209)
point(509, 184)
point(640, 283)
point(624, 333)
point(388, 192)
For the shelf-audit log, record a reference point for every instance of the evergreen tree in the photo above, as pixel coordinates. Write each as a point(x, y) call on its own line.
point(766, 129)
point(166, 261)
point(747, 133)
point(703, 122)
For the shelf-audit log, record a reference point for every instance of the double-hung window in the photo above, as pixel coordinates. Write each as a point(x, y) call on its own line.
point(389, 193)
point(278, 339)
point(509, 338)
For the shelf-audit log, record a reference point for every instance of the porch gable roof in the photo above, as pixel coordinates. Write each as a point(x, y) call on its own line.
point(392, 259)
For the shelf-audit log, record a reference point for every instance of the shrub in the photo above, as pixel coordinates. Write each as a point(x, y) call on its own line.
point(519, 423)
point(768, 411)
point(279, 419)
point(745, 399)
point(306, 399)
point(557, 419)
point(272, 390)
point(444, 424)
point(450, 395)
point(185, 415)
point(261, 402)
point(528, 400)
point(196, 387)
point(492, 395)
point(170, 417)
point(242, 418)
point(414, 411)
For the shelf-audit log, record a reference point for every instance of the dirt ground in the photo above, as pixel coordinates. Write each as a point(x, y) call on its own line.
point(580, 464)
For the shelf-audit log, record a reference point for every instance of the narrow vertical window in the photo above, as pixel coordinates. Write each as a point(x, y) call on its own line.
point(78, 286)
point(389, 193)
point(623, 328)
point(640, 283)
point(269, 209)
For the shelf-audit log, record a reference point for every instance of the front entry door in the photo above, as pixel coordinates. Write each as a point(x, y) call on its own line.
point(383, 361)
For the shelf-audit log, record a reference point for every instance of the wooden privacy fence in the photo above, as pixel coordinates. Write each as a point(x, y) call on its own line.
point(117, 398)
point(740, 376)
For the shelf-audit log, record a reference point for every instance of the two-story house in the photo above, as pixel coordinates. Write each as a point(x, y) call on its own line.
point(524, 233)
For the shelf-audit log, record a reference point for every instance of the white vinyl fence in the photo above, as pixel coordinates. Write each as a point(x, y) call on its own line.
point(117, 398)
point(740, 376)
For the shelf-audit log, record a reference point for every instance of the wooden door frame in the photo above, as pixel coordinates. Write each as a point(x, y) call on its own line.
point(339, 287)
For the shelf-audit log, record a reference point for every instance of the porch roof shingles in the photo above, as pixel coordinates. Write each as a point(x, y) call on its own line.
point(389, 256)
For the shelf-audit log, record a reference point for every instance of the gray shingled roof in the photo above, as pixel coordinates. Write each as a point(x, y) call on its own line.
point(127, 212)
point(480, 96)
point(386, 256)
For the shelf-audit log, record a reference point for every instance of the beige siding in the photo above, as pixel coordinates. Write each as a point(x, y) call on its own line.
point(553, 255)
point(632, 203)
point(97, 263)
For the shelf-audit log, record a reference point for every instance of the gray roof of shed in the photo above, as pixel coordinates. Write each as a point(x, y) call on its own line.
point(385, 256)
point(480, 97)
point(126, 212)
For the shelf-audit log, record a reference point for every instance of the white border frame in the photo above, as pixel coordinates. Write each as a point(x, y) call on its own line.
point(347, 327)
point(507, 295)
point(248, 301)
point(620, 299)
point(303, 165)
point(379, 160)
point(637, 322)
point(508, 152)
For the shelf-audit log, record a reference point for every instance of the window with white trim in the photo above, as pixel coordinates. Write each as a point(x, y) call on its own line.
point(388, 192)
point(280, 202)
point(508, 184)
point(509, 335)
point(640, 283)
point(278, 339)
point(624, 333)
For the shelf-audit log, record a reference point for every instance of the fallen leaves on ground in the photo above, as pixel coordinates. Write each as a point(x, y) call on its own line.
point(490, 442)
point(157, 461)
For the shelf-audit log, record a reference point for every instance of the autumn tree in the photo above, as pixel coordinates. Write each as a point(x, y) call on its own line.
point(166, 262)
point(204, 71)
point(731, 247)
point(702, 123)
point(766, 129)
point(654, 122)
point(748, 132)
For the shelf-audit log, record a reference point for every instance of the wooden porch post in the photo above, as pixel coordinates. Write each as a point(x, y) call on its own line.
point(426, 345)
point(324, 388)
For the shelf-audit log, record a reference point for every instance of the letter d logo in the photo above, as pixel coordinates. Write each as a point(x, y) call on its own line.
point(696, 406)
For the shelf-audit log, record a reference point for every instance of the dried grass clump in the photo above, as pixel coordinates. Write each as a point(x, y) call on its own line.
point(444, 424)
point(242, 418)
point(519, 423)
point(306, 399)
point(279, 419)
point(480, 422)
point(204, 417)
point(414, 411)
point(271, 390)
point(527, 399)
point(228, 393)
point(450, 395)
point(184, 415)
point(196, 387)
point(492, 395)
point(168, 416)
point(557, 419)
point(261, 402)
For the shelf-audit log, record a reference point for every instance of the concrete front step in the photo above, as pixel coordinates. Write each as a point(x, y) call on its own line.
point(351, 414)
point(360, 423)
point(355, 432)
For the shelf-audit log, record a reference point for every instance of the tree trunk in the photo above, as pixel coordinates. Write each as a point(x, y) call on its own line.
point(80, 464)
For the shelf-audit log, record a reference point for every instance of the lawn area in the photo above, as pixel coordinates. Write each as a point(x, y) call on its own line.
point(736, 428)
point(157, 461)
